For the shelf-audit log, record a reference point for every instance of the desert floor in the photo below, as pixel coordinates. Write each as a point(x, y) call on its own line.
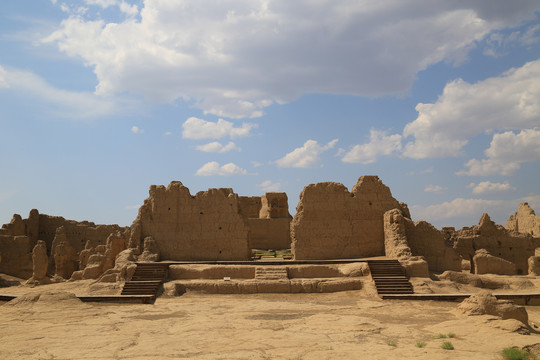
point(343, 325)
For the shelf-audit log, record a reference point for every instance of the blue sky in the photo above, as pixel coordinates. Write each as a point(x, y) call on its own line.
point(101, 98)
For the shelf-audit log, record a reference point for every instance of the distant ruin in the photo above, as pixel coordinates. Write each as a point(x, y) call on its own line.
point(217, 225)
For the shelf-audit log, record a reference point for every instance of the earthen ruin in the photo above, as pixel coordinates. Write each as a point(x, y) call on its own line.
point(217, 241)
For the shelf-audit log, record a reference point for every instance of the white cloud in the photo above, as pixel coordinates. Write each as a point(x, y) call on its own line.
point(202, 52)
point(468, 208)
point(195, 128)
point(379, 144)
point(269, 186)
point(168, 133)
point(435, 189)
point(506, 153)
point(256, 164)
point(216, 147)
point(489, 187)
point(213, 168)
point(122, 5)
point(307, 156)
point(63, 103)
point(137, 130)
point(500, 44)
point(510, 101)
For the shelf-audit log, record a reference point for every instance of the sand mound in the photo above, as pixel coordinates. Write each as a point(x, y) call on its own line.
point(484, 303)
point(58, 298)
point(474, 280)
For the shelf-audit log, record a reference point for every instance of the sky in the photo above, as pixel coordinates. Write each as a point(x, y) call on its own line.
point(99, 99)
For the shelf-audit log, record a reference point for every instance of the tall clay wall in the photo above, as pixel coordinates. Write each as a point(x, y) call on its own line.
point(207, 226)
point(268, 219)
point(425, 240)
point(16, 252)
point(333, 223)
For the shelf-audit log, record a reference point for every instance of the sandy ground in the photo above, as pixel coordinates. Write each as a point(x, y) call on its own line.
point(344, 325)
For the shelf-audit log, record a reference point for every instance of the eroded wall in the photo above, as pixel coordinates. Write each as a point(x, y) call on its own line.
point(19, 237)
point(333, 223)
point(16, 254)
point(524, 221)
point(207, 226)
point(405, 238)
point(498, 241)
point(268, 219)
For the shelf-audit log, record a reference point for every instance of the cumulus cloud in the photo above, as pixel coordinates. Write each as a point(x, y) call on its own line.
point(459, 207)
point(307, 156)
point(269, 186)
point(489, 187)
point(122, 5)
point(506, 153)
point(379, 144)
point(510, 101)
point(435, 189)
point(213, 168)
point(216, 147)
point(137, 130)
point(203, 54)
point(195, 128)
point(64, 103)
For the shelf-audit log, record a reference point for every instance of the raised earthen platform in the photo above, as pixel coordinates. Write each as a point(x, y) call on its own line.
point(527, 297)
point(144, 299)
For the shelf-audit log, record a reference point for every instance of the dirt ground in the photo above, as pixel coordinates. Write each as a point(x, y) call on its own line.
point(342, 325)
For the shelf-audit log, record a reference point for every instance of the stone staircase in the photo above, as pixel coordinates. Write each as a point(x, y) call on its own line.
point(271, 273)
point(146, 279)
point(389, 277)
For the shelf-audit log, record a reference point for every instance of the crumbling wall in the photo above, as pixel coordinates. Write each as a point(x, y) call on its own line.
point(268, 219)
point(498, 241)
point(274, 205)
point(250, 206)
point(425, 240)
point(16, 256)
point(333, 223)
point(77, 233)
point(207, 226)
point(19, 237)
point(405, 239)
point(524, 221)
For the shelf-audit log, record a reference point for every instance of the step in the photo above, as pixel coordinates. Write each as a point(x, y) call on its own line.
point(271, 273)
point(390, 277)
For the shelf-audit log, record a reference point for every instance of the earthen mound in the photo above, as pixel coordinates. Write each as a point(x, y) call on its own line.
point(484, 303)
point(57, 298)
point(474, 280)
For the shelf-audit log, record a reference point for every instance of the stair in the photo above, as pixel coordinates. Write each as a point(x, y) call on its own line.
point(389, 277)
point(146, 279)
point(271, 273)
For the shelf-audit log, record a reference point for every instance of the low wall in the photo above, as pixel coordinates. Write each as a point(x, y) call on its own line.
point(204, 271)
